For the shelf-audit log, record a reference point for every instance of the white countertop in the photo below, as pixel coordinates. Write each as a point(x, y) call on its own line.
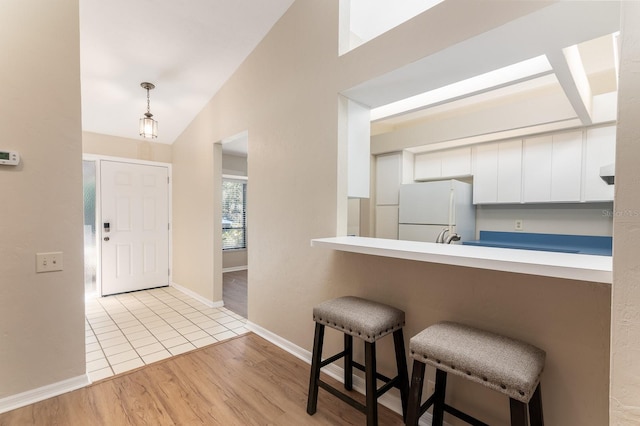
point(572, 266)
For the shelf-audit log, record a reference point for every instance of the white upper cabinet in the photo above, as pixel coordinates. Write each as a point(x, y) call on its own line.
point(557, 168)
point(566, 167)
point(443, 164)
point(510, 171)
point(456, 162)
point(427, 166)
point(600, 150)
point(485, 174)
point(536, 169)
point(497, 176)
point(552, 168)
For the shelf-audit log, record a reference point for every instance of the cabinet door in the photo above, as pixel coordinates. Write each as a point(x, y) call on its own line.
point(456, 162)
point(485, 176)
point(388, 178)
point(427, 166)
point(509, 172)
point(387, 222)
point(536, 168)
point(600, 151)
point(566, 167)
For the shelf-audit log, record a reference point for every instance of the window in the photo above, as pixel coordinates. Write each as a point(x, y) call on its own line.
point(234, 218)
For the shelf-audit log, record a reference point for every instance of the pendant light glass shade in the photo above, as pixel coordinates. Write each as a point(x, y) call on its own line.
point(148, 126)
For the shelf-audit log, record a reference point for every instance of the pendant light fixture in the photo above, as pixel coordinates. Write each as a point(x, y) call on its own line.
point(148, 126)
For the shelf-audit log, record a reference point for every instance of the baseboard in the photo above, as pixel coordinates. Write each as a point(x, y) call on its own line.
point(39, 394)
point(235, 268)
point(191, 293)
point(392, 402)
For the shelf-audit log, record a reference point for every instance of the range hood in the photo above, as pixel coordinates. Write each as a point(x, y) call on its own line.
point(608, 173)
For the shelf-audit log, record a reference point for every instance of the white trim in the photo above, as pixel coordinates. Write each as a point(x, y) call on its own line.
point(96, 157)
point(235, 268)
point(199, 298)
point(39, 394)
point(392, 402)
point(243, 178)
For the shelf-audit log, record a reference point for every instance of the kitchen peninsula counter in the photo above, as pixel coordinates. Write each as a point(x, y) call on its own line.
point(582, 267)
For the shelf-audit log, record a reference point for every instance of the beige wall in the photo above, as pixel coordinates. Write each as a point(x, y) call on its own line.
point(234, 259)
point(625, 334)
point(115, 146)
point(234, 165)
point(41, 315)
point(286, 95)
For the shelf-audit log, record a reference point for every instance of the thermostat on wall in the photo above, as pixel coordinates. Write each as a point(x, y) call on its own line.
point(9, 158)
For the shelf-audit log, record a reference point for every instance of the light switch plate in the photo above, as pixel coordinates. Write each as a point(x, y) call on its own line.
point(49, 262)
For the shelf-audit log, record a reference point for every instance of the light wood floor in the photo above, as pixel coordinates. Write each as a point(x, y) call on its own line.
point(243, 381)
point(234, 292)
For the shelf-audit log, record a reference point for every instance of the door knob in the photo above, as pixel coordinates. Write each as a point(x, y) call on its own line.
point(106, 238)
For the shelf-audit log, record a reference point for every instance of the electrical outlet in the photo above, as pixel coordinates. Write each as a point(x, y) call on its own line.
point(519, 226)
point(49, 262)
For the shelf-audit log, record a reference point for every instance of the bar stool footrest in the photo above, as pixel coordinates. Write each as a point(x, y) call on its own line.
point(342, 396)
point(463, 416)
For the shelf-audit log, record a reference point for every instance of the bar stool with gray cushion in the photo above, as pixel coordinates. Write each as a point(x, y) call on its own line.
point(369, 321)
point(503, 364)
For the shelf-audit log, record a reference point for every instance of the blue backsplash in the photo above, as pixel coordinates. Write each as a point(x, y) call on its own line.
point(583, 244)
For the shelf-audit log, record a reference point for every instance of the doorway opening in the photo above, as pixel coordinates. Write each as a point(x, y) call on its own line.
point(127, 219)
point(234, 244)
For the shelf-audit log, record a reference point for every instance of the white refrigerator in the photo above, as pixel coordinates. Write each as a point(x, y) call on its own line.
point(427, 208)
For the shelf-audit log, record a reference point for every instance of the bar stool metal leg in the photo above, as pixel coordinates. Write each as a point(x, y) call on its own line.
point(314, 376)
point(403, 374)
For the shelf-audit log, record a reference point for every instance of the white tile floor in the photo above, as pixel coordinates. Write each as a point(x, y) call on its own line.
point(130, 330)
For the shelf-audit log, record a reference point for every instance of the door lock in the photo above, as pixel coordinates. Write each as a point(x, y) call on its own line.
point(106, 238)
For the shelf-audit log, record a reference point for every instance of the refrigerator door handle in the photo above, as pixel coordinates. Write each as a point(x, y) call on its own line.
point(452, 208)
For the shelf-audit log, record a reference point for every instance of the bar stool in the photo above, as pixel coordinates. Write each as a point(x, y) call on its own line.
point(506, 365)
point(369, 321)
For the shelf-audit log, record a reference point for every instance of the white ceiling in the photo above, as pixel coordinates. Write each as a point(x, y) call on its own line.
point(187, 48)
point(545, 32)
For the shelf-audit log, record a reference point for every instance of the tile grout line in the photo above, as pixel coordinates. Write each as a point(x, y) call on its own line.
point(151, 302)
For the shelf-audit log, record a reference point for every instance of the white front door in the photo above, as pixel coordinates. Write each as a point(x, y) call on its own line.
point(134, 226)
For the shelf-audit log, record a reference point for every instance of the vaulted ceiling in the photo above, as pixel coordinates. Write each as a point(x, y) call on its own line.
point(187, 48)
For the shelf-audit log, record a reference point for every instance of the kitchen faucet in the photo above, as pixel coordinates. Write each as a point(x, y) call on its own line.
point(452, 237)
point(440, 237)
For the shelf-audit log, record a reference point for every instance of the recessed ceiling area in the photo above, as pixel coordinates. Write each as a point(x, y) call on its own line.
point(577, 38)
point(599, 62)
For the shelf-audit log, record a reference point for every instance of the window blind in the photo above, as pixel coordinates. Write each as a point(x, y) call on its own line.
point(234, 219)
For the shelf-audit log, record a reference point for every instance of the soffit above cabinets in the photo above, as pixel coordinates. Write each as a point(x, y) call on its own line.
point(585, 27)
